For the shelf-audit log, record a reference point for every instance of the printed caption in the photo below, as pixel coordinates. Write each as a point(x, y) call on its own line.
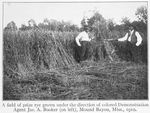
point(75, 107)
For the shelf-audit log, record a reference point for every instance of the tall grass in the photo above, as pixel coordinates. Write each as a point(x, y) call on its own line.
point(34, 48)
point(27, 52)
point(39, 65)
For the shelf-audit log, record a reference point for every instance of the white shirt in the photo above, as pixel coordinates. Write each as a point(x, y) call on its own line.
point(83, 36)
point(139, 38)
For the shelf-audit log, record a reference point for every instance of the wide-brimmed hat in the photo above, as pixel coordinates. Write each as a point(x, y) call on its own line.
point(132, 25)
point(86, 27)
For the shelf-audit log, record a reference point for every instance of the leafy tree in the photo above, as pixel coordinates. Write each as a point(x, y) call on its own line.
point(24, 27)
point(46, 21)
point(125, 23)
point(98, 25)
point(11, 26)
point(32, 23)
point(84, 21)
point(111, 24)
point(141, 14)
point(125, 20)
point(55, 25)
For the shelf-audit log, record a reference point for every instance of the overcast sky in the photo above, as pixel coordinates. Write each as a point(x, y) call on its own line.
point(21, 13)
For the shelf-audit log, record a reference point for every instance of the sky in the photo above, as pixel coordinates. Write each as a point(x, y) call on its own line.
point(74, 12)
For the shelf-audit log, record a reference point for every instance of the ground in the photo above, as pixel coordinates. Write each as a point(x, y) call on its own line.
point(85, 81)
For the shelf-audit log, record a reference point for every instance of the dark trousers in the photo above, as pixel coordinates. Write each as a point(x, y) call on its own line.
point(81, 52)
point(125, 50)
point(84, 50)
point(133, 51)
point(129, 51)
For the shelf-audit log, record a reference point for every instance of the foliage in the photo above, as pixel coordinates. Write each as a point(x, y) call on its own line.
point(24, 27)
point(125, 20)
point(97, 24)
point(141, 14)
point(111, 24)
point(11, 26)
point(51, 25)
point(54, 25)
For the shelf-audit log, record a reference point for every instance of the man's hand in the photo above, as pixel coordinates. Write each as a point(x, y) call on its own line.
point(79, 45)
point(137, 44)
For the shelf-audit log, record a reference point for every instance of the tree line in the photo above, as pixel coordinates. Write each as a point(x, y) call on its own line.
point(98, 24)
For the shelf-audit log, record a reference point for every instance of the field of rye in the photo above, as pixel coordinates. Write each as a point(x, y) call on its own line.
point(40, 65)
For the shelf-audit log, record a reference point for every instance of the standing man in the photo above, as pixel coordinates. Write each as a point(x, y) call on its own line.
point(83, 43)
point(132, 36)
point(133, 41)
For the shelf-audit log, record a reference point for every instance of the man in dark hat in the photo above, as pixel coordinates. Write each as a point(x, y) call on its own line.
point(132, 41)
point(132, 36)
point(83, 43)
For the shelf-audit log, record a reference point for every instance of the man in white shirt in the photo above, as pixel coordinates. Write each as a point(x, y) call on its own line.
point(83, 43)
point(133, 41)
point(132, 36)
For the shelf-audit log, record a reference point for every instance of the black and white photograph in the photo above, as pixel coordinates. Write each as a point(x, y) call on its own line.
point(75, 51)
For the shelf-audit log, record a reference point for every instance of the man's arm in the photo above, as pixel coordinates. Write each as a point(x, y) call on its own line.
point(78, 39)
point(139, 39)
point(110, 39)
point(123, 38)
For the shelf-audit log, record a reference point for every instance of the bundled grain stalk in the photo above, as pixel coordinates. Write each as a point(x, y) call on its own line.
point(36, 48)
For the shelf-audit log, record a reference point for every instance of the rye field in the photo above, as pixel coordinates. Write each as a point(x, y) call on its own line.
point(40, 65)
